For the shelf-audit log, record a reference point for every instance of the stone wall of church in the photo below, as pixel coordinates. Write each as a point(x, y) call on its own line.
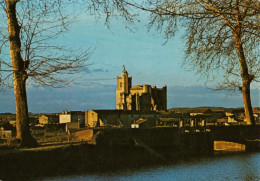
point(143, 97)
point(159, 97)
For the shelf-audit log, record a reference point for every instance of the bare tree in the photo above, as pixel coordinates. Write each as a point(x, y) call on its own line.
point(115, 9)
point(33, 31)
point(223, 39)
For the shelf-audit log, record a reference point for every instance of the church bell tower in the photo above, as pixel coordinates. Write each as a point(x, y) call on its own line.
point(124, 84)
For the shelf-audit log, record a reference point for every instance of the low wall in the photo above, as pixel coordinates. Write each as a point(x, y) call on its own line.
point(228, 146)
point(169, 142)
point(84, 135)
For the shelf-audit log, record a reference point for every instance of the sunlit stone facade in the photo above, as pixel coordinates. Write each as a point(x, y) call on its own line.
point(139, 97)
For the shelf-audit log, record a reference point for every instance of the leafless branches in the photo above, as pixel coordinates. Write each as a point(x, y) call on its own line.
point(211, 30)
point(222, 39)
point(112, 9)
point(49, 61)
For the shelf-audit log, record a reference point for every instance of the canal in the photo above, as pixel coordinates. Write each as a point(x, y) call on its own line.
point(242, 166)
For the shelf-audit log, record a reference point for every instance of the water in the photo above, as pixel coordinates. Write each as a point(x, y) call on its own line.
point(244, 167)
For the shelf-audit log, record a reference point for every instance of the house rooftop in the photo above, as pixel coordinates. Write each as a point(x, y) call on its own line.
point(116, 111)
point(137, 87)
point(140, 121)
point(73, 112)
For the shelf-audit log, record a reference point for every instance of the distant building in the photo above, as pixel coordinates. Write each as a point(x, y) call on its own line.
point(72, 116)
point(13, 123)
point(72, 126)
point(239, 114)
point(5, 125)
point(49, 119)
point(256, 113)
point(200, 111)
point(145, 123)
point(223, 121)
point(118, 118)
point(5, 134)
point(172, 119)
point(140, 97)
point(169, 122)
point(5, 130)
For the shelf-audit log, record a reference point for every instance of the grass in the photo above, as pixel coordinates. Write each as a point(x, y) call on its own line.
point(69, 159)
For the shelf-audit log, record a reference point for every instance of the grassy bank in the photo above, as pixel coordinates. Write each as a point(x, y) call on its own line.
point(64, 159)
point(49, 161)
point(119, 149)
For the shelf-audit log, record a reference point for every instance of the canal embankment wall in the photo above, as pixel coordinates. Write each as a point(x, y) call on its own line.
point(170, 143)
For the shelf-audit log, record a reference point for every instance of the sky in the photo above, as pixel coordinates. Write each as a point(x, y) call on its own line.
point(147, 59)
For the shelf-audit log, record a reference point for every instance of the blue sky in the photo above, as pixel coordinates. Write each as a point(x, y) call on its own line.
point(146, 59)
point(143, 53)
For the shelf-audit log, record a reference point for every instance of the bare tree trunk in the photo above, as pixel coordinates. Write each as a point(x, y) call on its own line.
point(20, 76)
point(246, 77)
point(246, 80)
point(247, 104)
point(22, 118)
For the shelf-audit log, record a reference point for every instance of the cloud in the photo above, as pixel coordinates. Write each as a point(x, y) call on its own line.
point(193, 96)
point(99, 70)
point(100, 96)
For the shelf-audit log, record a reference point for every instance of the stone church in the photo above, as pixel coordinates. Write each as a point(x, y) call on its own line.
point(139, 97)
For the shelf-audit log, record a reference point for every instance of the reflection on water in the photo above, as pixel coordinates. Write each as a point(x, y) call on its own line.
point(244, 167)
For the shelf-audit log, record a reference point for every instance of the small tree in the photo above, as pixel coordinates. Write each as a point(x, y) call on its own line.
point(223, 39)
point(33, 28)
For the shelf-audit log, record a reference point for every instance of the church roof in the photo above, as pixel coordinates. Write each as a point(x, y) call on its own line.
point(137, 87)
point(140, 121)
point(116, 111)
